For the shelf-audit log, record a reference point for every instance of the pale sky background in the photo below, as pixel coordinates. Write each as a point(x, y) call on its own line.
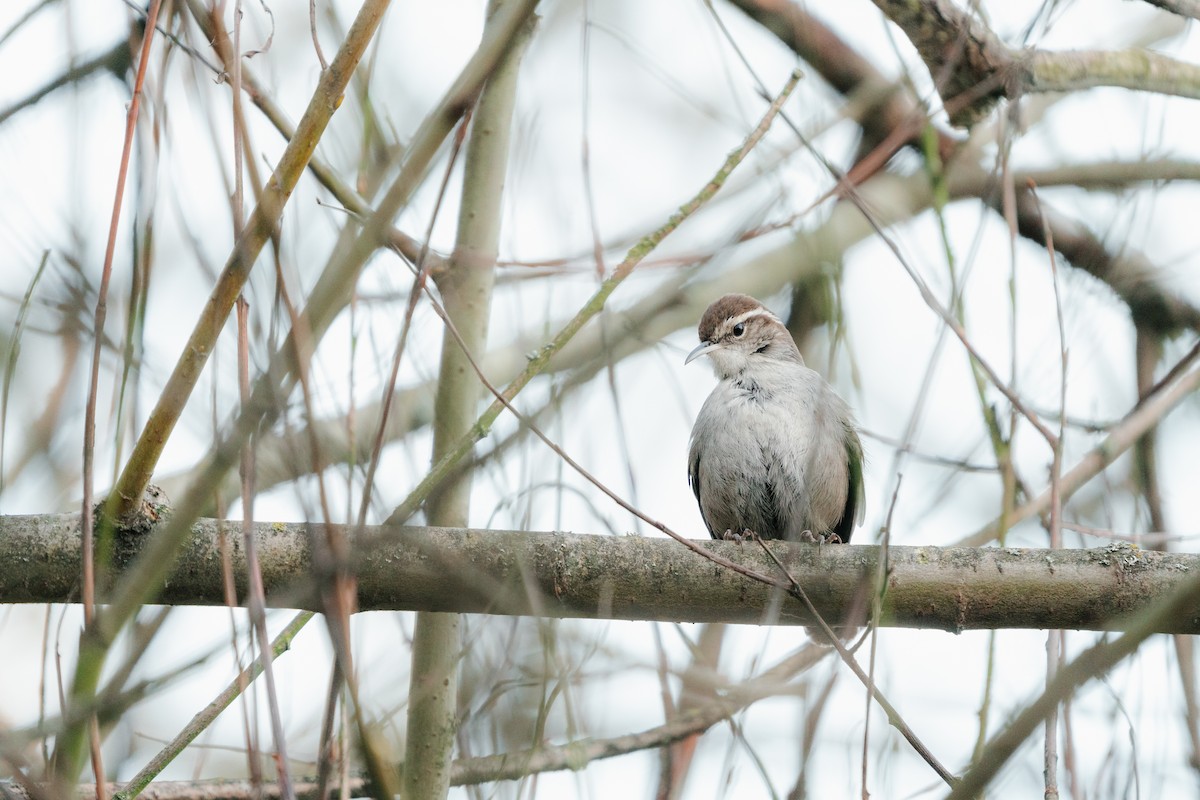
point(666, 98)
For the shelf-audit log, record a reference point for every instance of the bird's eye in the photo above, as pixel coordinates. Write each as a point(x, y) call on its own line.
point(739, 329)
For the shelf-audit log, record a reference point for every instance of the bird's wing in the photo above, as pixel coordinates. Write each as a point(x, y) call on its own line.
point(694, 468)
point(694, 480)
point(856, 502)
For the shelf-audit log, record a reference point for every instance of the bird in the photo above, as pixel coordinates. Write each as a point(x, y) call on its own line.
point(774, 450)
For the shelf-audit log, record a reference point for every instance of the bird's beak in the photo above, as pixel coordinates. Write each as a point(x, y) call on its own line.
point(701, 349)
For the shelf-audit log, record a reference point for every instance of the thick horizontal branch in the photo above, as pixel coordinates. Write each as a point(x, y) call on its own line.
point(201, 790)
point(636, 578)
point(1136, 69)
point(972, 68)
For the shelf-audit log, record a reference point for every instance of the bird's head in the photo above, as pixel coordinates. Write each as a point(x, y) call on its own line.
point(737, 332)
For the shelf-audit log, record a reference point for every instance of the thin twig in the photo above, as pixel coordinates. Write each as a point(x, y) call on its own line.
point(262, 223)
point(1054, 638)
point(1093, 663)
point(1145, 414)
point(572, 755)
point(894, 718)
point(129, 596)
point(64, 770)
point(205, 717)
point(420, 278)
point(538, 361)
point(881, 576)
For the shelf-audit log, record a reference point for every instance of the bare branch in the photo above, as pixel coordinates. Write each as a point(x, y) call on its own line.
point(603, 577)
point(1136, 69)
point(973, 69)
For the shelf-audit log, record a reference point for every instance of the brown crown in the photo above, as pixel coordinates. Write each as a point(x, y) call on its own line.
point(727, 307)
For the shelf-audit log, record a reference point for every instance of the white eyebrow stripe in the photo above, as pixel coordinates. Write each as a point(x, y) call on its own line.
point(754, 312)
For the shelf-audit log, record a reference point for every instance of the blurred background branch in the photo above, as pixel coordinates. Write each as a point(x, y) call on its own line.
point(951, 185)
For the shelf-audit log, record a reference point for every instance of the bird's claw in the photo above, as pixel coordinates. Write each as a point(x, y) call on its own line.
point(815, 538)
point(730, 536)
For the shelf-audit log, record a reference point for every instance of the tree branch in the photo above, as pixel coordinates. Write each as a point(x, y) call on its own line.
point(1136, 69)
point(628, 577)
point(972, 68)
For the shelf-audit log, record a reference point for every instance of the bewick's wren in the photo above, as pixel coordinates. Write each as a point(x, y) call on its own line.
point(774, 449)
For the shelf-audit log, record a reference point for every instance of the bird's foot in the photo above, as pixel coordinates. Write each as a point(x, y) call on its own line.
point(746, 533)
point(816, 538)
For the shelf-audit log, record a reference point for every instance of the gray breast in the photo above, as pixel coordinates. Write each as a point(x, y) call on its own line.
point(753, 464)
